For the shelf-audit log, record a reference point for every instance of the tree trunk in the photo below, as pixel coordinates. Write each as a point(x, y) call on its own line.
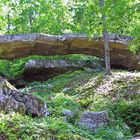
point(8, 24)
point(106, 40)
point(107, 52)
point(30, 21)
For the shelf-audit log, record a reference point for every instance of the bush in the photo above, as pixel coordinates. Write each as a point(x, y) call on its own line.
point(129, 112)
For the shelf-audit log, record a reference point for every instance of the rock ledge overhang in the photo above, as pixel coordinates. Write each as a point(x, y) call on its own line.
point(22, 45)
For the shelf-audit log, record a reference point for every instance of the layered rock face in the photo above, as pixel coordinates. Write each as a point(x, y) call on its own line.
point(13, 100)
point(16, 46)
point(43, 69)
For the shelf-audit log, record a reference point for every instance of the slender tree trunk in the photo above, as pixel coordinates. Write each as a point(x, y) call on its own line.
point(30, 21)
point(107, 52)
point(106, 41)
point(8, 23)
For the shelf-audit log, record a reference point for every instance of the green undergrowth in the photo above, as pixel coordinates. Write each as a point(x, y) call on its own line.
point(14, 68)
point(80, 91)
point(15, 126)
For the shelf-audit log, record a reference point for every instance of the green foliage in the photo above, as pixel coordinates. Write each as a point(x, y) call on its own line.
point(77, 91)
point(61, 102)
point(59, 16)
point(129, 112)
point(113, 132)
point(135, 43)
point(14, 68)
point(25, 16)
point(120, 16)
point(11, 68)
point(15, 126)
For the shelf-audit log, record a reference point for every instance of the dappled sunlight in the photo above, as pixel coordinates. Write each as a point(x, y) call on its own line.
point(116, 81)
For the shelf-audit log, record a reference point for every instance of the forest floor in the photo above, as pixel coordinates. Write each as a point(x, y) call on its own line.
point(79, 91)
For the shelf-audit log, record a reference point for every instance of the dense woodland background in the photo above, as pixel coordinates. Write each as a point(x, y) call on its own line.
point(62, 16)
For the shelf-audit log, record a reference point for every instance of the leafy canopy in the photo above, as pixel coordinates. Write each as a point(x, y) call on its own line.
point(80, 16)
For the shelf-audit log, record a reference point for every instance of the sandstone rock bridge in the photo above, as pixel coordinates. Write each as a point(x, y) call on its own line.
point(22, 45)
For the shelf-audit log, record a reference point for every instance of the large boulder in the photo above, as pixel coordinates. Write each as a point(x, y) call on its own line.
point(22, 45)
point(9, 104)
point(43, 69)
point(92, 120)
point(13, 100)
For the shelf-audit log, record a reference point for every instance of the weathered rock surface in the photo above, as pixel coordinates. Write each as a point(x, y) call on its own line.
point(9, 104)
point(3, 136)
point(136, 137)
point(43, 69)
point(93, 120)
point(21, 45)
point(68, 113)
point(13, 100)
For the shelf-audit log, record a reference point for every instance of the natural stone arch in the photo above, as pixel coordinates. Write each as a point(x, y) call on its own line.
point(22, 45)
